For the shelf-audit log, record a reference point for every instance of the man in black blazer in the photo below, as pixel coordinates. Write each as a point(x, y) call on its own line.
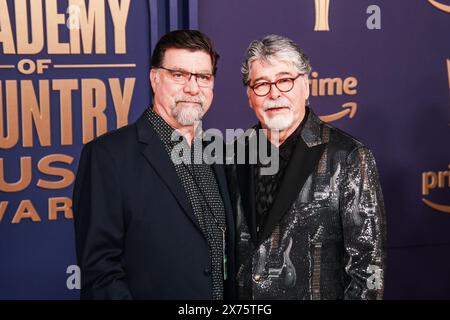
point(148, 227)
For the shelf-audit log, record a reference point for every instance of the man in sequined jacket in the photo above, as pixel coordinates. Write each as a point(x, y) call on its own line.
point(316, 228)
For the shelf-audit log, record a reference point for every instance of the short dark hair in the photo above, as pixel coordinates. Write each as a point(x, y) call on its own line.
point(192, 40)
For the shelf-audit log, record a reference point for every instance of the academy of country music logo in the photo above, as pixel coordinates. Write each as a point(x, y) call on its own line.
point(448, 71)
point(322, 15)
point(440, 6)
point(38, 89)
point(432, 180)
point(444, 8)
point(322, 10)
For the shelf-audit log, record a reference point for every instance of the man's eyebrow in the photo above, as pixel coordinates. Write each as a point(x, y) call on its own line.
point(204, 72)
point(184, 70)
point(283, 73)
point(261, 78)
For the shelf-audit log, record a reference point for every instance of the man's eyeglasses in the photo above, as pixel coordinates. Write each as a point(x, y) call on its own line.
point(262, 89)
point(204, 80)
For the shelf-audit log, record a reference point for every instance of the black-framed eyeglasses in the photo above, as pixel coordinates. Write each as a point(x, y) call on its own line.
point(205, 80)
point(262, 89)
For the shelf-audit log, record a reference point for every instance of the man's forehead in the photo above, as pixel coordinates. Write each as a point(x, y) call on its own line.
point(263, 68)
point(187, 59)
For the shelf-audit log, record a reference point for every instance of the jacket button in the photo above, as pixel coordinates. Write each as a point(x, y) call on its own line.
point(207, 272)
point(257, 277)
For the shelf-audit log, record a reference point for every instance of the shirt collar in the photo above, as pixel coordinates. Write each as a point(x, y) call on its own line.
point(165, 131)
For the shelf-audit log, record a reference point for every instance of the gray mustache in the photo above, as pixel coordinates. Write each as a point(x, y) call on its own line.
point(190, 99)
point(275, 104)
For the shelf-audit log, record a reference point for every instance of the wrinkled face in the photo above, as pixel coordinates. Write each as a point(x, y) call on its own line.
point(181, 104)
point(278, 110)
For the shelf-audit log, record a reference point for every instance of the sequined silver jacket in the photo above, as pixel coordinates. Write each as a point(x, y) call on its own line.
point(325, 235)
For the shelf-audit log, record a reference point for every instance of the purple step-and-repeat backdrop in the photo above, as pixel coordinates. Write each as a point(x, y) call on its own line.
point(381, 71)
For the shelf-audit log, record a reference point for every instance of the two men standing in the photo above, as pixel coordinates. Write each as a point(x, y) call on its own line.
point(149, 228)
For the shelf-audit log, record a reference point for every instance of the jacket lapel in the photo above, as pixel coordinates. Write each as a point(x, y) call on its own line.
point(219, 172)
point(302, 164)
point(304, 160)
point(246, 181)
point(153, 150)
point(247, 189)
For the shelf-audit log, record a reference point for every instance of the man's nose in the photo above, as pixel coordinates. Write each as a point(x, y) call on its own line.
point(274, 93)
point(191, 86)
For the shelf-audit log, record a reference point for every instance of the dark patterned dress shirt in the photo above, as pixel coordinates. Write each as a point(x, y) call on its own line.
point(199, 182)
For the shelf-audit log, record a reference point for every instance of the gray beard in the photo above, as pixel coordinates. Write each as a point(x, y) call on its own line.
point(187, 116)
point(278, 122)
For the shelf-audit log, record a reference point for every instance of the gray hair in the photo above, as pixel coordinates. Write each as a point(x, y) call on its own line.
point(273, 47)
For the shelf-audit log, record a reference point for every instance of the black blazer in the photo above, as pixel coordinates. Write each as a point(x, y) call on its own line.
point(136, 233)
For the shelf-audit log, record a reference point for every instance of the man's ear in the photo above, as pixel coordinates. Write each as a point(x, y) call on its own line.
point(250, 104)
point(153, 79)
point(249, 100)
point(306, 81)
